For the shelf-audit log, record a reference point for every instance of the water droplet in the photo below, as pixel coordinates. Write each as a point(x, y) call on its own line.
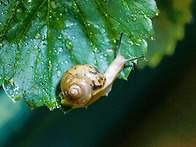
point(19, 10)
point(109, 50)
point(60, 49)
point(60, 37)
point(58, 73)
point(35, 47)
point(152, 38)
point(38, 35)
point(157, 13)
point(51, 109)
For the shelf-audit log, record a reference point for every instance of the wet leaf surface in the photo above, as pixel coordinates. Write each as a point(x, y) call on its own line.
point(40, 40)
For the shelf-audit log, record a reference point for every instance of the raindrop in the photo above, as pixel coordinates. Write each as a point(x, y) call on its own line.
point(51, 109)
point(38, 35)
point(19, 10)
point(60, 49)
point(35, 47)
point(152, 38)
point(60, 37)
point(58, 73)
point(109, 50)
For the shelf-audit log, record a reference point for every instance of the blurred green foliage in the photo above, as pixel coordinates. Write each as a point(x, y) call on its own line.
point(168, 29)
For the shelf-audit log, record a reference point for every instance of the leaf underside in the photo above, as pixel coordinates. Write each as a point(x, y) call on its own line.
point(41, 39)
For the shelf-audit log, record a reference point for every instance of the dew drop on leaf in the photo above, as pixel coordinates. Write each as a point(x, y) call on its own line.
point(60, 37)
point(35, 47)
point(58, 73)
point(37, 36)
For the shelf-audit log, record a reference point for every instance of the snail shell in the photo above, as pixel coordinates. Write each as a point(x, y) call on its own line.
point(80, 83)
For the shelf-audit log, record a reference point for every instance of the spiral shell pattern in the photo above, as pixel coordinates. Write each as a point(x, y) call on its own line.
point(80, 83)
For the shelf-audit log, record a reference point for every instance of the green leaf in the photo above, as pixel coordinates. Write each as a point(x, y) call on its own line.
point(168, 29)
point(41, 39)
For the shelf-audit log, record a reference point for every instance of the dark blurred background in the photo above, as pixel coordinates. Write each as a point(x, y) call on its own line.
point(155, 107)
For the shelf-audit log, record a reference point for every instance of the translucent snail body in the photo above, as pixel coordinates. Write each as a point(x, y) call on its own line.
point(83, 84)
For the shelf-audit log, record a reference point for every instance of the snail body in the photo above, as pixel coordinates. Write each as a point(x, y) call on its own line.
point(83, 84)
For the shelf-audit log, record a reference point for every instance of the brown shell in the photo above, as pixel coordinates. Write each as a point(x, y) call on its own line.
point(83, 78)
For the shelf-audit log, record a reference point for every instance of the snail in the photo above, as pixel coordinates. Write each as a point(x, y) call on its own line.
point(83, 84)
